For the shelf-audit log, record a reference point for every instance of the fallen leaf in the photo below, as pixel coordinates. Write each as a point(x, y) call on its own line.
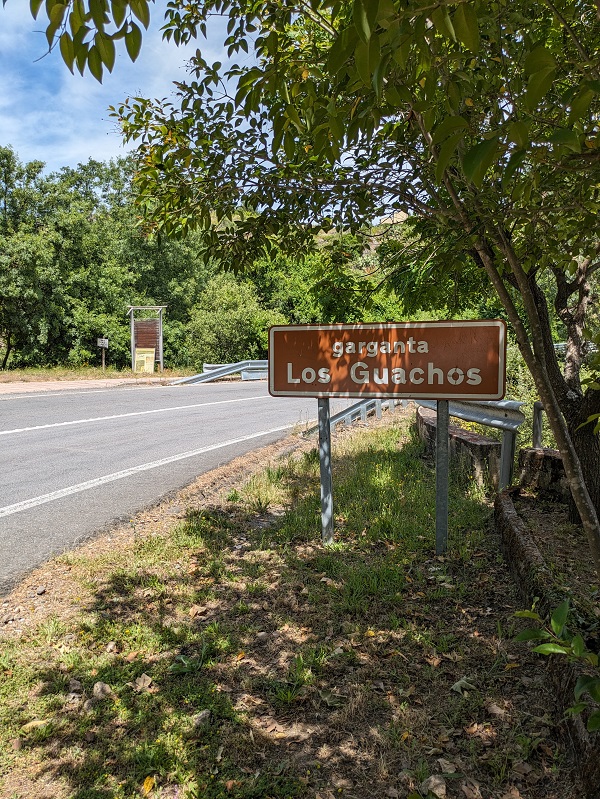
point(522, 768)
point(435, 785)
point(142, 683)
point(453, 656)
point(470, 788)
point(446, 767)
point(434, 661)
point(495, 710)
point(36, 724)
point(462, 686)
point(219, 755)
point(196, 610)
point(148, 785)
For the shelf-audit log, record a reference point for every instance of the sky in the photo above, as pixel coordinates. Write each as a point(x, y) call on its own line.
point(47, 114)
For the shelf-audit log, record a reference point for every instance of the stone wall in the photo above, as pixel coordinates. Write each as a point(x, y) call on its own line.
point(481, 454)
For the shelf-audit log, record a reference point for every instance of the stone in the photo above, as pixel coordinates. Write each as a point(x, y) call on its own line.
point(202, 719)
point(101, 690)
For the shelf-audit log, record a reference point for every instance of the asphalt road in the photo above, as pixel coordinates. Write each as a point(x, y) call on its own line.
point(74, 462)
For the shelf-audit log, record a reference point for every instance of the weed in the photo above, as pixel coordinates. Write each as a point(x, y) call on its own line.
point(51, 630)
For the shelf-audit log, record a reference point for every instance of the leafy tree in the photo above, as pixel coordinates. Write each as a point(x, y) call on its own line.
point(229, 325)
point(31, 289)
point(478, 118)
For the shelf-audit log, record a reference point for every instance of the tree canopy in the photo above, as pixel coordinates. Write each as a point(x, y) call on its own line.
point(479, 120)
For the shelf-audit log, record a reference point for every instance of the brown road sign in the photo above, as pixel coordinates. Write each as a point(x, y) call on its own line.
point(420, 360)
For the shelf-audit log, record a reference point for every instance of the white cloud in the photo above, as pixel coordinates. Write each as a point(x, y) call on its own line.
point(50, 115)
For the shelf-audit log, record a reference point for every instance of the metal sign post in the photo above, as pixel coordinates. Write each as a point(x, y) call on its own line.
point(325, 468)
point(442, 469)
point(103, 344)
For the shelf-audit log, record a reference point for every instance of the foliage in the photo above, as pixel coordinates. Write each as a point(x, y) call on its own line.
point(556, 639)
point(228, 324)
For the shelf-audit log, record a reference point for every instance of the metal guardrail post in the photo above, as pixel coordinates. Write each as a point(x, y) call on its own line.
point(442, 460)
point(538, 408)
point(507, 458)
point(325, 469)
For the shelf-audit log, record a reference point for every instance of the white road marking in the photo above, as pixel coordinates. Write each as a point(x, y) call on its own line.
point(125, 415)
point(9, 510)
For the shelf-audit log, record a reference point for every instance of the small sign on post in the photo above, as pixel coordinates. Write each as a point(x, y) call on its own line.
point(103, 344)
point(445, 360)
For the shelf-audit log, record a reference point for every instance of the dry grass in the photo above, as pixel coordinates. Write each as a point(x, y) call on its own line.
point(44, 374)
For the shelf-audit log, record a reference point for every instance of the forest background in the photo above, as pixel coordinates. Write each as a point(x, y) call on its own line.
point(73, 258)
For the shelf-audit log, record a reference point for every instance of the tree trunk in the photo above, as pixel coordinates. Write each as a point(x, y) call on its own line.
point(587, 446)
point(7, 353)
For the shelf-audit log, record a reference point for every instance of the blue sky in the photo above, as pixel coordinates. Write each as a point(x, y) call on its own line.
point(50, 115)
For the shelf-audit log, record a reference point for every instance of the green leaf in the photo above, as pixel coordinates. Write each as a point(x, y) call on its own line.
point(362, 62)
point(532, 635)
point(341, 50)
point(445, 154)
point(514, 162)
point(98, 13)
point(576, 709)
point(538, 86)
point(447, 126)
point(81, 53)
point(106, 48)
point(578, 646)
point(95, 63)
point(478, 159)
point(379, 75)
point(559, 618)
point(292, 114)
point(580, 105)
point(441, 19)
point(141, 11)
point(133, 41)
point(466, 26)
point(550, 649)
point(566, 138)
point(361, 21)
point(593, 723)
point(77, 16)
point(518, 133)
point(67, 50)
point(528, 614)
point(35, 6)
point(539, 60)
point(119, 12)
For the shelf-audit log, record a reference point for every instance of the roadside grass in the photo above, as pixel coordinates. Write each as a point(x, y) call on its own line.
point(237, 657)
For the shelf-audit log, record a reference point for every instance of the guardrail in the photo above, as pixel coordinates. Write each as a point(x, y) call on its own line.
point(249, 370)
point(503, 415)
point(360, 410)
